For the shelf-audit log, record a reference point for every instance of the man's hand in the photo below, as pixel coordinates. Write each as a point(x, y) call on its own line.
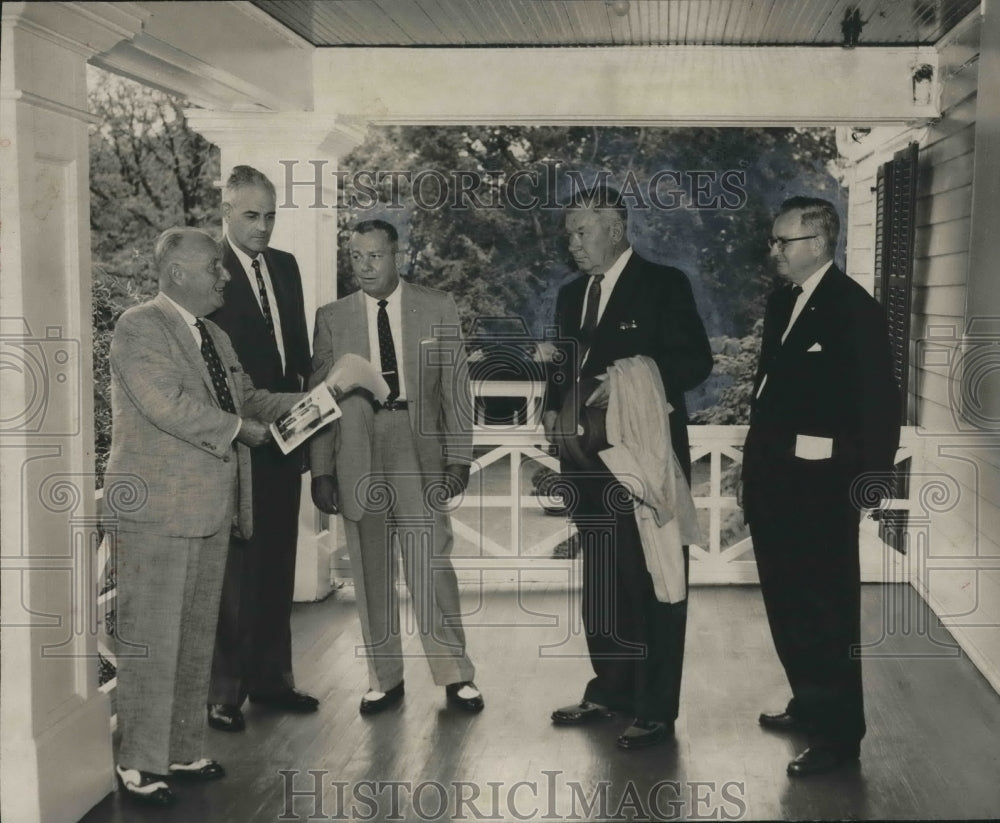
point(253, 432)
point(331, 382)
point(549, 421)
point(599, 397)
point(456, 477)
point(352, 371)
point(325, 496)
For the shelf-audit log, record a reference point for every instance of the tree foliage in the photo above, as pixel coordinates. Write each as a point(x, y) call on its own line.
point(507, 260)
point(148, 172)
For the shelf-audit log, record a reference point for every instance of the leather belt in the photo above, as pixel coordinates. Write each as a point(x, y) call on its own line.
point(392, 405)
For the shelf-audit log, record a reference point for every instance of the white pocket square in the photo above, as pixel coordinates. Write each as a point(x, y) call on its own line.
point(808, 447)
point(815, 347)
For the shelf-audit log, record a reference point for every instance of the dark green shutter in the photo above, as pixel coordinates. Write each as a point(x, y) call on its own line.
point(895, 225)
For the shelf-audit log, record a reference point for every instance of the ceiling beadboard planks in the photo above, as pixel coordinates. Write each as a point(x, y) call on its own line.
point(470, 23)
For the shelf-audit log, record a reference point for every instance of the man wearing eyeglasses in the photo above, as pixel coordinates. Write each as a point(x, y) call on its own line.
point(824, 428)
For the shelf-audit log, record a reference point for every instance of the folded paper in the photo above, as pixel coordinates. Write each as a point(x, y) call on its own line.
point(808, 447)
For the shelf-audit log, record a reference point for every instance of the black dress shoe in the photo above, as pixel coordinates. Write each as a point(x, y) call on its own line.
point(781, 721)
point(198, 771)
point(144, 787)
point(470, 704)
point(225, 717)
point(580, 713)
point(289, 699)
point(380, 704)
point(645, 733)
point(821, 759)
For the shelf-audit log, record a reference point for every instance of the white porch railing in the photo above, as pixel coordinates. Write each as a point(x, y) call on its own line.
point(107, 601)
point(725, 556)
point(503, 535)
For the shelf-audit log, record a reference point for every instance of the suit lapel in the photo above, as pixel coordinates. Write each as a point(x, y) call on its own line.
point(771, 340)
point(182, 334)
point(351, 326)
point(239, 290)
point(282, 295)
point(805, 323)
point(410, 343)
point(243, 299)
point(573, 307)
point(779, 310)
point(622, 297)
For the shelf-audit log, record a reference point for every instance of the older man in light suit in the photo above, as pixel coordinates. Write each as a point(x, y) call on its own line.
point(185, 416)
point(383, 466)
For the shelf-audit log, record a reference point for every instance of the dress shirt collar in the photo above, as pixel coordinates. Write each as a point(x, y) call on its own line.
point(389, 301)
point(808, 286)
point(812, 281)
point(186, 316)
point(245, 259)
point(614, 272)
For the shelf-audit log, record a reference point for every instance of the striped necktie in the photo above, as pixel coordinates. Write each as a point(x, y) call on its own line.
point(265, 304)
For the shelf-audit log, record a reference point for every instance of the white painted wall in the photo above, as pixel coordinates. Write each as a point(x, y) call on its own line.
point(955, 281)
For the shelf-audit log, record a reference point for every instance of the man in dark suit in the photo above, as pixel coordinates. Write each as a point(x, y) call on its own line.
point(265, 319)
point(185, 416)
point(623, 306)
point(384, 467)
point(824, 420)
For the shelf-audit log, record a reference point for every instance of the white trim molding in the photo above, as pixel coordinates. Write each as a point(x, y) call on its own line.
point(683, 85)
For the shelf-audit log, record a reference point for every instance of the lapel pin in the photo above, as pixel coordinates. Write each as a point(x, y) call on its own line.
point(625, 325)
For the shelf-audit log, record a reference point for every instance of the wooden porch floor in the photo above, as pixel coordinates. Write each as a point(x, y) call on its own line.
point(932, 750)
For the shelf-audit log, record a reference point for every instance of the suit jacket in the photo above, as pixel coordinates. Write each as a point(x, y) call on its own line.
point(436, 382)
point(169, 431)
point(831, 378)
point(650, 312)
point(241, 318)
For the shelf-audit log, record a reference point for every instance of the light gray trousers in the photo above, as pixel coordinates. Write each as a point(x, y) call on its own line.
point(397, 516)
point(168, 609)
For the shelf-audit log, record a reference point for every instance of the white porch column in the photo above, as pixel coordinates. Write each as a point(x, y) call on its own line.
point(56, 746)
point(300, 157)
point(983, 295)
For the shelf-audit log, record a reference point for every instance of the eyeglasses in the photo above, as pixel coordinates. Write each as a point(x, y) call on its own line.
point(779, 243)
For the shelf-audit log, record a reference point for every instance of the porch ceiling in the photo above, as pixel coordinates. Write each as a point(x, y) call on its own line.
point(614, 22)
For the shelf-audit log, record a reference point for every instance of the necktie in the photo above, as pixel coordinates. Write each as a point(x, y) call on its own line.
point(215, 368)
point(593, 302)
point(265, 305)
point(387, 351)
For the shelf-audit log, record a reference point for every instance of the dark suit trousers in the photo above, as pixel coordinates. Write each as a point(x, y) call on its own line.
point(253, 645)
point(636, 643)
point(807, 558)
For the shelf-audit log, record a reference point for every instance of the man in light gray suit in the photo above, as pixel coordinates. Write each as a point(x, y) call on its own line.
point(185, 416)
point(390, 467)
